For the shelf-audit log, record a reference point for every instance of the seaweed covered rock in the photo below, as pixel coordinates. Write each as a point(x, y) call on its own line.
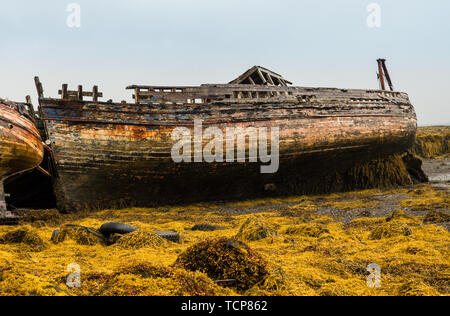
point(145, 270)
point(430, 200)
point(81, 235)
point(414, 166)
point(432, 142)
point(24, 235)
point(38, 218)
point(399, 215)
point(145, 279)
point(206, 227)
point(436, 217)
point(389, 230)
point(308, 230)
point(274, 284)
point(255, 228)
point(140, 239)
point(225, 259)
point(378, 173)
point(416, 288)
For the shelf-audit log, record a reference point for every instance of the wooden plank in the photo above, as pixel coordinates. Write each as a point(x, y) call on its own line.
point(136, 95)
point(262, 76)
point(95, 94)
point(270, 79)
point(71, 93)
point(80, 93)
point(64, 94)
point(39, 88)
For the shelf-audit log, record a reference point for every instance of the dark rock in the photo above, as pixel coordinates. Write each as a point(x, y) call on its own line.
point(54, 234)
point(206, 228)
point(116, 228)
point(414, 166)
point(170, 236)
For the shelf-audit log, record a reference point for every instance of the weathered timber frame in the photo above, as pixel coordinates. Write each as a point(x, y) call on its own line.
point(258, 75)
point(254, 94)
point(384, 73)
point(79, 94)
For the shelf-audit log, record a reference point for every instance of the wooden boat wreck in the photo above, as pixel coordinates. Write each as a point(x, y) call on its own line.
point(21, 147)
point(119, 154)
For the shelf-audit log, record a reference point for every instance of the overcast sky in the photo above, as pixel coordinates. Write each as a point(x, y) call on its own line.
point(189, 42)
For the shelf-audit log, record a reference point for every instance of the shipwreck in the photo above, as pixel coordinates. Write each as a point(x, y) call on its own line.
point(21, 147)
point(107, 154)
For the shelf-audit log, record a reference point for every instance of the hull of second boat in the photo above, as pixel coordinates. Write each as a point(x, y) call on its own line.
point(105, 165)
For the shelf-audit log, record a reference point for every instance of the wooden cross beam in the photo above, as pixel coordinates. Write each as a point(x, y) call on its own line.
point(79, 94)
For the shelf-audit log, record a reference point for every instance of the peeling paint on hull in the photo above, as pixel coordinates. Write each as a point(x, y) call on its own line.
point(21, 147)
point(118, 155)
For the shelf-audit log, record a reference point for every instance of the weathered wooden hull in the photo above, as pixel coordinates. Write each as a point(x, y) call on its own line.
point(21, 147)
point(114, 155)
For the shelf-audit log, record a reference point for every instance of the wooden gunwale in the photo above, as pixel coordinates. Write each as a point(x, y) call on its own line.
point(212, 122)
point(8, 121)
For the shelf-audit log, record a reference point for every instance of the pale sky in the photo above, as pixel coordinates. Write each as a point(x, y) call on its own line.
point(189, 42)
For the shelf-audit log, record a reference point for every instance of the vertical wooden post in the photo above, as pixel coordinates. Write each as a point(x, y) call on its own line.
point(3, 208)
point(80, 93)
point(30, 108)
point(136, 95)
point(380, 73)
point(64, 94)
point(386, 72)
point(95, 94)
point(39, 88)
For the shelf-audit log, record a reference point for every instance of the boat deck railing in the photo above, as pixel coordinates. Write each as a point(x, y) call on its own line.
point(238, 93)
